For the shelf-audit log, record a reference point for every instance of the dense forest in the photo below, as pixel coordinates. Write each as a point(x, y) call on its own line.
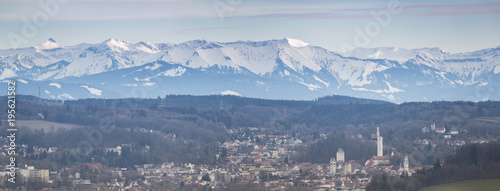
point(355, 114)
point(218, 101)
point(471, 162)
point(323, 150)
point(200, 123)
point(144, 148)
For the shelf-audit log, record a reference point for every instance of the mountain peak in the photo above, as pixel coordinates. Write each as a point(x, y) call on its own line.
point(116, 44)
point(49, 44)
point(114, 40)
point(296, 43)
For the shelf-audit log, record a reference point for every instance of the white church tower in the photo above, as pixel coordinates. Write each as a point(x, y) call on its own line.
point(380, 144)
point(406, 164)
point(340, 155)
point(333, 166)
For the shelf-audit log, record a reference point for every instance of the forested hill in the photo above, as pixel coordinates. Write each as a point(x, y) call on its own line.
point(446, 112)
point(470, 162)
point(203, 120)
point(223, 101)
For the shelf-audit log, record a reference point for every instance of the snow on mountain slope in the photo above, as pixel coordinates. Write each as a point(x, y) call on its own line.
point(394, 53)
point(468, 66)
point(49, 44)
point(7, 73)
point(93, 91)
point(229, 92)
point(174, 72)
point(113, 54)
point(117, 45)
point(387, 73)
point(296, 43)
point(55, 85)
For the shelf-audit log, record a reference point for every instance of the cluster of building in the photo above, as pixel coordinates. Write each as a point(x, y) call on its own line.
point(268, 162)
point(28, 174)
point(451, 137)
point(441, 130)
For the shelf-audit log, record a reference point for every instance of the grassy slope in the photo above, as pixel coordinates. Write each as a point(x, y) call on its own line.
point(45, 125)
point(483, 185)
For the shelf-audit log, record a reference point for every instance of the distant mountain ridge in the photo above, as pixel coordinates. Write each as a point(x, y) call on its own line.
point(276, 69)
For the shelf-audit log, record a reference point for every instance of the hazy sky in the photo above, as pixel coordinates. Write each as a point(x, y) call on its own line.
point(453, 25)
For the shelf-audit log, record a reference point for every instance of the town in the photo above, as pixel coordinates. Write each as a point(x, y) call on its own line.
point(252, 157)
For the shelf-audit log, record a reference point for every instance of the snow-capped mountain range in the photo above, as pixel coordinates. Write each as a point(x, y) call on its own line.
point(278, 69)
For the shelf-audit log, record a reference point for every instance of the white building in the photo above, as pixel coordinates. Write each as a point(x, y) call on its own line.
point(426, 129)
point(347, 170)
point(406, 164)
point(29, 173)
point(440, 130)
point(333, 166)
point(340, 155)
point(380, 144)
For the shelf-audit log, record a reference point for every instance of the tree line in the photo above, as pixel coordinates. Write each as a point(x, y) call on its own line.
point(471, 162)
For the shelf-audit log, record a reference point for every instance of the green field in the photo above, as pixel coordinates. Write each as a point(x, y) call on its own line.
point(473, 185)
point(47, 126)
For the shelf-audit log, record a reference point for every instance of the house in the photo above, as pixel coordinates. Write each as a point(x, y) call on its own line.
point(52, 149)
point(455, 143)
point(423, 141)
point(117, 150)
point(433, 127)
point(83, 185)
point(380, 160)
point(377, 160)
point(454, 131)
point(447, 136)
point(258, 159)
point(116, 173)
point(426, 130)
point(39, 150)
point(440, 129)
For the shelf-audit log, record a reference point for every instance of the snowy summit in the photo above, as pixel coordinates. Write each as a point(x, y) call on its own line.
point(296, 43)
point(117, 45)
point(47, 45)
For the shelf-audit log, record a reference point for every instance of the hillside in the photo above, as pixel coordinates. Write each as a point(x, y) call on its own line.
point(485, 185)
point(200, 120)
point(470, 162)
